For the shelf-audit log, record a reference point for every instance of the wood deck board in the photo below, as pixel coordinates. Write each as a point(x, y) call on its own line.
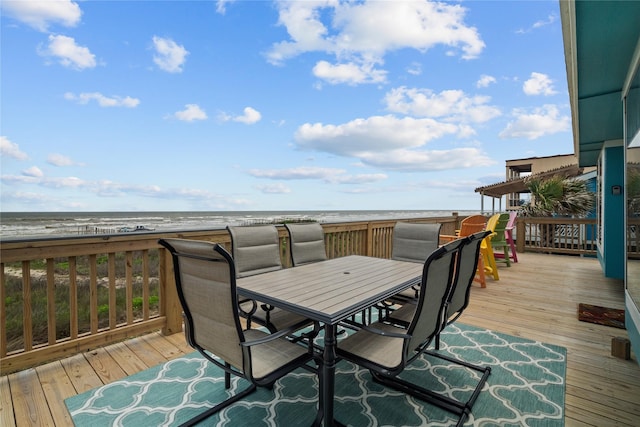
point(536, 298)
point(56, 388)
point(6, 403)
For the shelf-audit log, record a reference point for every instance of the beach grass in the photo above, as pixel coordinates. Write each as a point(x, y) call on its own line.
point(14, 302)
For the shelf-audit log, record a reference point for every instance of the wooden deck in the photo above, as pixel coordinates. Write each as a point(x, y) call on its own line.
point(536, 298)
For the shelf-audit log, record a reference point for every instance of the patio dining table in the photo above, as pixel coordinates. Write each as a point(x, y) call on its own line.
point(329, 292)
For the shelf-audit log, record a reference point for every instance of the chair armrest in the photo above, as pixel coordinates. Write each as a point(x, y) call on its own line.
point(270, 337)
point(448, 237)
point(385, 333)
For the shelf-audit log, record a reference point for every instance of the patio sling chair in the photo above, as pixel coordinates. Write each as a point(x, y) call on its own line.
point(386, 350)
point(413, 242)
point(206, 283)
point(256, 249)
point(306, 242)
point(459, 296)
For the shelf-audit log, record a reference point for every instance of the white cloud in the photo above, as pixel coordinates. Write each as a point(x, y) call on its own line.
point(329, 175)
point(249, 117)
point(391, 143)
point(539, 24)
point(68, 53)
point(33, 171)
point(169, 56)
point(296, 173)
point(41, 14)
point(359, 34)
point(61, 160)
point(102, 100)
point(377, 133)
point(427, 160)
point(10, 149)
point(278, 188)
point(485, 81)
point(111, 189)
point(539, 84)
point(450, 105)
point(415, 69)
point(542, 121)
point(350, 73)
point(191, 113)
point(221, 6)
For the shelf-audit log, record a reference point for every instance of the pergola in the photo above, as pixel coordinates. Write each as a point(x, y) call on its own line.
point(519, 185)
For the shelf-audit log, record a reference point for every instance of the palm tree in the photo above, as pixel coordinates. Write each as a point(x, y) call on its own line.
point(557, 196)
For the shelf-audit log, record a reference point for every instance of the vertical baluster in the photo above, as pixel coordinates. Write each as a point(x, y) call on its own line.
point(73, 298)
point(145, 284)
point(3, 313)
point(129, 289)
point(93, 293)
point(113, 305)
point(51, 301)
point(26, 306)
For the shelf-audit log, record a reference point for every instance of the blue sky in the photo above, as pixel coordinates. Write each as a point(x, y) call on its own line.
point(274, 105)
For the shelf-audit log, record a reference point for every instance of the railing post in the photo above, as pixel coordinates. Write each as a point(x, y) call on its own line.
point(171, 303)
point(369, 242)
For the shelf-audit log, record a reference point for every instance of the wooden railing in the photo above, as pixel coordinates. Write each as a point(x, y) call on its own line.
point(61, 296)
point(65, 295)
point(557, 235)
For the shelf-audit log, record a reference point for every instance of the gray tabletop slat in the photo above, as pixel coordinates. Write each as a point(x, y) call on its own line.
point(332, 290)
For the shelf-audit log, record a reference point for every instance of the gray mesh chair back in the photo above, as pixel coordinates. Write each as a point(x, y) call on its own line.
point(371, 349)
point(437, 281)
point(306, 242)
point(414, 242)
point(206, 288)
point(468, 263)
point(411, 242)
point(255, 249)
point(206, 283)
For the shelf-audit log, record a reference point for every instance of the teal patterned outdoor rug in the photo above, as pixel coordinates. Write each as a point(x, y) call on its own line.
point(526, 388)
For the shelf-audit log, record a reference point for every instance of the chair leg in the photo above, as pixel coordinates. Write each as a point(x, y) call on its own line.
point(507, 258)
point(462, 409)
point(227, 377)
point(480, 276)
point(490, 262)
point(512, 246)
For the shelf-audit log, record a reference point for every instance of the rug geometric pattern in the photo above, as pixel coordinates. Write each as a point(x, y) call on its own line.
point(526, 388)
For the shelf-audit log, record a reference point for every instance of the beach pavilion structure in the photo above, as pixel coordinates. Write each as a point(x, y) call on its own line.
point(602, 55)
point(517, 173)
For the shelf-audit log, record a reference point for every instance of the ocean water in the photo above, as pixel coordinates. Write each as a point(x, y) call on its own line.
point(50, 224)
